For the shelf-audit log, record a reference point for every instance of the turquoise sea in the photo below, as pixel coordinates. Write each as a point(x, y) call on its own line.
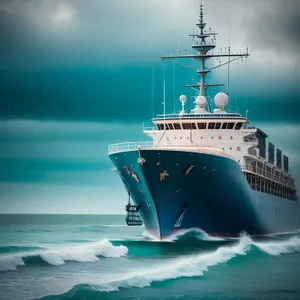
point(99, 257)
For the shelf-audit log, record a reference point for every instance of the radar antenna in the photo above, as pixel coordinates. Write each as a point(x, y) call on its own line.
point(202, 47)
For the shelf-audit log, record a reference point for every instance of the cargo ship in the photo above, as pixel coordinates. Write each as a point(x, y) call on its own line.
point(207, 168)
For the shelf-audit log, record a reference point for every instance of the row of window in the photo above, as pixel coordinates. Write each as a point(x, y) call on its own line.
point(270, 187)
point(211, 125)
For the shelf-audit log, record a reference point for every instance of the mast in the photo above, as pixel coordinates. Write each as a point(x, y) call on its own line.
point(202, 47)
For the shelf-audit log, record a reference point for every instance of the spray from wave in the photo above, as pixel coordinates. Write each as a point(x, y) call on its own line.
point(279, 248)
point(183, 234)
point(194, 265)
point(80, 253)
point(196, 233)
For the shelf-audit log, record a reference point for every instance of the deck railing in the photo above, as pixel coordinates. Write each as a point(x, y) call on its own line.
point(268, 175)
point(133, 146)
point(129, 146)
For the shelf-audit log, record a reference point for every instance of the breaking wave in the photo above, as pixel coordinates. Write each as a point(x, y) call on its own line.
point(195, 265)
point(80, 253)
point(196, 233)
point(183, 234)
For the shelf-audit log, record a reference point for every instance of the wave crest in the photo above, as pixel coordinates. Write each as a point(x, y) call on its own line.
point(278, 248)
point(195, 265)
point(80, 253)
point(196, 233)
point(183, 234)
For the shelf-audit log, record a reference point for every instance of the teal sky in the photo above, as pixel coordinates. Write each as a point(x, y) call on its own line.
point(76, 77)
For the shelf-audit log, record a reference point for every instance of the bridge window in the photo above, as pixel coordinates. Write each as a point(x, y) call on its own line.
point(224, 125)
point(170, 126)
point(238, 126)
point(167, 127)
point(211, 125)
point(160, 126)
point(202, 125)
point(189, 126)
point(230, 125)
point(218, 126)
point(177, 126)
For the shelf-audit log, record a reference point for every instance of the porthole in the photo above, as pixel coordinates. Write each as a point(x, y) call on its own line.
point(201, 137)
point(230, 148)
point(231, 137)
point(212, 137)
point(181, 137)
point(238, 148)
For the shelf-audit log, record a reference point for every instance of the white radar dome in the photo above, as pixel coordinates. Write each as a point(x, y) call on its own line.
point(200, 101)
point(182, 98)
point(221, 100)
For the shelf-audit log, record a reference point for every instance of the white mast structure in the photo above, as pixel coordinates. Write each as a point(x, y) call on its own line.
point(202, 47)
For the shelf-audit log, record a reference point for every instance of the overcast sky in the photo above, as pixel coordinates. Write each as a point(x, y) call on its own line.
point(47, 32)
point(76, 76)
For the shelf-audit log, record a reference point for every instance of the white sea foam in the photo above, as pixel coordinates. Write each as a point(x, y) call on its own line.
point(89, 252)
point(187, 266)
point(184, 266)
point(194, 265)
point(280, 247)
point(198, 234)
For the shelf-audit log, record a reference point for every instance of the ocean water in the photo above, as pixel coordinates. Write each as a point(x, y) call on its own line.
point(99, 257)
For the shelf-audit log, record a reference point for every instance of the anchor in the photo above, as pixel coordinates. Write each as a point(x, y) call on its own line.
point(140, 160)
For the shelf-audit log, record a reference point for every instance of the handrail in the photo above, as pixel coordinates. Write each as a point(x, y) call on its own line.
point(203, 116)
point(200, 115)
point(149, 145)
point(149, 128)
point(268, 175)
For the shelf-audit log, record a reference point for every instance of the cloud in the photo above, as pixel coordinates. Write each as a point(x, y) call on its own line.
point(62, 15)
point(60, 153)
point(67, 131)
point(94, 32)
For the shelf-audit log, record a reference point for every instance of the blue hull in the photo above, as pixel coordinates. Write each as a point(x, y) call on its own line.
point(214, 196)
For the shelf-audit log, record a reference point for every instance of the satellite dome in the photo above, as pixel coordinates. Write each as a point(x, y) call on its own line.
point(200, 101)
point(182, 98)
point(221, 100)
